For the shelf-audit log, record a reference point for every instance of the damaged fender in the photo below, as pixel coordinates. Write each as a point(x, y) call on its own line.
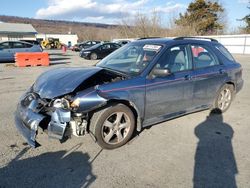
point(89, 100)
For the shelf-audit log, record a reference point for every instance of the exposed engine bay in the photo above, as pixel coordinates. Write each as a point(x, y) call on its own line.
point(102, 77)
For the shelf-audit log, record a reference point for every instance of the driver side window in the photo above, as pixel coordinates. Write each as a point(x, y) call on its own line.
point(175, 59)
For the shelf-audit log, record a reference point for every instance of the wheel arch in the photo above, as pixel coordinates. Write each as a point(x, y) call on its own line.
point(133, 108)
point(231, 83)
point(227, 82)
point(127, 103)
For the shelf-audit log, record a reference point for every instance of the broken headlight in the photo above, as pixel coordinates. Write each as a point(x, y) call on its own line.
point(61, 103)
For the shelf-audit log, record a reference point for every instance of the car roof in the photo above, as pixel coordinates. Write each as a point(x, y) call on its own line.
point(16, 41)
point(186, 40)
point(109, 43)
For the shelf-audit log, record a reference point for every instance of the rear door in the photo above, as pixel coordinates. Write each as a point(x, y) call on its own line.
point(209, 75)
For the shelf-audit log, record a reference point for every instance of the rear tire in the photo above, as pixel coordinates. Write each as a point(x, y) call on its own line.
point(113, 126)
point(224, 99)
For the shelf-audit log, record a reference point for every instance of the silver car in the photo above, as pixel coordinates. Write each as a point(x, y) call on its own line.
point(9, 48)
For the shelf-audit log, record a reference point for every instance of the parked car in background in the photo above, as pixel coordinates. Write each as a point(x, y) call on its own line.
point(122, 41)
point(99, 51)
point(9, 48)
point(142, 83)
point(83, 45)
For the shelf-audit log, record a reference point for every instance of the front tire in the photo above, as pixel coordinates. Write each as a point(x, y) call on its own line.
point(113, 126)
point(224, 98)
point(93, 56)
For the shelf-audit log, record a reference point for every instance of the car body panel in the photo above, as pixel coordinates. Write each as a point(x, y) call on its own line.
point(168, 95)
point(27, 122)
point(89, 100)
point(57, 82)
point(207, 80)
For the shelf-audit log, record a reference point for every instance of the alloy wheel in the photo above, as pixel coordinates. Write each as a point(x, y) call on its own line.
point(224, 99)
point(115, 128)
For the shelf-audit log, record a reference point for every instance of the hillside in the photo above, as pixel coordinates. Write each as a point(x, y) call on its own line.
point(84, 30)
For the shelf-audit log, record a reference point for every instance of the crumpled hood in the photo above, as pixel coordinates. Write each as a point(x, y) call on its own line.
point(61, 81)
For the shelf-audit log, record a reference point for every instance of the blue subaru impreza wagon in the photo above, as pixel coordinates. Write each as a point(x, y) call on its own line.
point(144, 82)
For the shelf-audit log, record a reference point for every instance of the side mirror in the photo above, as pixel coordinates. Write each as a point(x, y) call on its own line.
point(161, 72)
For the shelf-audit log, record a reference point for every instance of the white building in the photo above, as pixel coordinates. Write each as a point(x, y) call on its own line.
point(16, 31)
point(63, 38)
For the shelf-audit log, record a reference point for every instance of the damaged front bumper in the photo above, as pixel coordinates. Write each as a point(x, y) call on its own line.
point(27, 123)
point(28, 119)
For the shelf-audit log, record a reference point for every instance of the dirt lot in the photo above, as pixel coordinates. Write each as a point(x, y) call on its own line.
point(184, 152)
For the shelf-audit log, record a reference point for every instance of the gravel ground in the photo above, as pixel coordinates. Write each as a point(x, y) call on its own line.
point(196, 150)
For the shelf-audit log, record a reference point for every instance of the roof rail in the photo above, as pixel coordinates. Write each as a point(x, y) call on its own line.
point(149, 38)
point(196, 38)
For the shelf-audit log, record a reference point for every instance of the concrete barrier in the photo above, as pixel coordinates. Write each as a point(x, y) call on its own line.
point(25, 59)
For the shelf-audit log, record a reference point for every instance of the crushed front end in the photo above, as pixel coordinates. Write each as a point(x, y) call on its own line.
point(27, 117)
point(61, 106)
point(54, 116)
point(60, 117)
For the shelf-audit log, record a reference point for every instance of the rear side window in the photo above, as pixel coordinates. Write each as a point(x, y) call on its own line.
point(203, 57)
point(225, 52)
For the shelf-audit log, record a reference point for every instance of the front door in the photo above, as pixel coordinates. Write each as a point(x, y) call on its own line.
point(172, 94)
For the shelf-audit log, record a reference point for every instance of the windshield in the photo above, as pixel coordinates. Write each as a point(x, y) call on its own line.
point(131, 59)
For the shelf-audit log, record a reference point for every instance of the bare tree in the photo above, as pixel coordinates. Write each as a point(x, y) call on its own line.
point(142, 25)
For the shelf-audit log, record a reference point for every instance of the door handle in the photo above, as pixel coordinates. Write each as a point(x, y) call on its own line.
point(188, 77)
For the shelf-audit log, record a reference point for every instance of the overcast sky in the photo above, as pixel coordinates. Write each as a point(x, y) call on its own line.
point(110, 11)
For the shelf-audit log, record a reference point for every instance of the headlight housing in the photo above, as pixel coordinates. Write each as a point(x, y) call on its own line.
point(61, 103)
